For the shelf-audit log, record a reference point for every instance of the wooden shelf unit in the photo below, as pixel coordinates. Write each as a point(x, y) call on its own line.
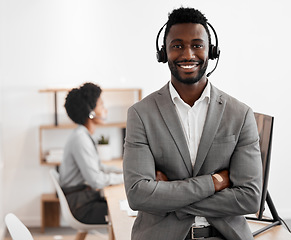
point(57, 126)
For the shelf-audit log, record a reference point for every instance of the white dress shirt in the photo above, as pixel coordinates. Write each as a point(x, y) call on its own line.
point(192, 120)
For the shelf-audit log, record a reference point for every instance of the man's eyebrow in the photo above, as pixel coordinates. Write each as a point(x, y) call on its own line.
point(176, 40)
point(193, 40)
point(198, 39)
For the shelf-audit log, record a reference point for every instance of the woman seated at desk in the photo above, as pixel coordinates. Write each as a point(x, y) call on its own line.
point(82, 176)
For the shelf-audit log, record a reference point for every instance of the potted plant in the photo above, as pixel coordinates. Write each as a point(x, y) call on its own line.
point(102, 140)
point(103, 148)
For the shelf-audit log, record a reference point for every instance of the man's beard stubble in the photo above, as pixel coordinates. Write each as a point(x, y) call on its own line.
point(190, 80)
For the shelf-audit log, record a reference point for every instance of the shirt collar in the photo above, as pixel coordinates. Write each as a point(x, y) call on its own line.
point(205, 94)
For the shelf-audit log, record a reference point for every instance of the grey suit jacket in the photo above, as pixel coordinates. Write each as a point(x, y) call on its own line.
point(155, 141)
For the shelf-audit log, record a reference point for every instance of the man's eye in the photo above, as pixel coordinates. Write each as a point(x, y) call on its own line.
point(177, 46)
point(198, 46)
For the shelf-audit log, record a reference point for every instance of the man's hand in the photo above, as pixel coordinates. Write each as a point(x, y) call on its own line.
point(160, 176)
point(221, 180)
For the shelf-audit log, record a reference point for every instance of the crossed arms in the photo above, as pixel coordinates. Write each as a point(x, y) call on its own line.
point(203, 195)
point(220, 179)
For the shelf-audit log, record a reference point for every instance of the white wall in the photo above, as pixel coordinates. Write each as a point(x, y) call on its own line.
point(64, 43)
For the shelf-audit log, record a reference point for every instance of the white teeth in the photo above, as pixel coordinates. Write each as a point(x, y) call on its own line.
point(187, 66)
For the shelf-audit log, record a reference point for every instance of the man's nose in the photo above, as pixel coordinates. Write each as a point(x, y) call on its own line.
point(188, 53)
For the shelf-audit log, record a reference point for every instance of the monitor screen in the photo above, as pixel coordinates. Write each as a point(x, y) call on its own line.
point(265, 129)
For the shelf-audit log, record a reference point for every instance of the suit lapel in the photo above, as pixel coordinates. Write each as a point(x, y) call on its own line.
point(213, 118)
point(170, 116)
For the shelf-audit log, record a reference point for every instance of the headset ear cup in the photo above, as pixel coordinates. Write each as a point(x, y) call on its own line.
point(213, 52)
point(92, 114)
point(162, 55)
point(159, 56)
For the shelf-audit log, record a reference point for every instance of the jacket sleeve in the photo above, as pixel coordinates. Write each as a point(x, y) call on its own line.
point(144, 193)
point(245, 169)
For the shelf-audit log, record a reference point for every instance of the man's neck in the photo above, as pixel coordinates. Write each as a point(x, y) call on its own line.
point(190, 93)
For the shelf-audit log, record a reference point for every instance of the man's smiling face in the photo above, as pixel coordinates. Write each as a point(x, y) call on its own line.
point(187, 50)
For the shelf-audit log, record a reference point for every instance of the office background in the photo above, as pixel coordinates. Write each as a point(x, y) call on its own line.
point(62, 43)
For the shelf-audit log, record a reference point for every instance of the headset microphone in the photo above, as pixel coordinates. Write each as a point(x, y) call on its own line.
point(92, 115)
point(208, 74)
point(214, 51)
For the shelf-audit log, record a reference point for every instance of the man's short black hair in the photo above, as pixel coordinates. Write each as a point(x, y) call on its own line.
point(186, 15)
point(81, 101)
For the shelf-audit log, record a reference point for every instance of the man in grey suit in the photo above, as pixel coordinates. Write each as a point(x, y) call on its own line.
point(192, 163)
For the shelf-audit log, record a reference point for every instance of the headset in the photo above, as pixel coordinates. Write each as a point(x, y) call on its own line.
point(92, 114)
point(214, 51)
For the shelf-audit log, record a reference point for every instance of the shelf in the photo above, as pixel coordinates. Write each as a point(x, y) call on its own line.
point(70, 126)
point(103, 89)
point(114, 160)
point(55, 91)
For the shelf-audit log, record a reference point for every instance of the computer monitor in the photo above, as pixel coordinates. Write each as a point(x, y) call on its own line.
point(265, 129)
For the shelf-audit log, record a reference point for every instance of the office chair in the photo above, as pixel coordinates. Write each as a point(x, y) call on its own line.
point(82, 228)
point(16, 228)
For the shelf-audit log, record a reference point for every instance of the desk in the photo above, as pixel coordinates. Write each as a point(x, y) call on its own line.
point(122, 223)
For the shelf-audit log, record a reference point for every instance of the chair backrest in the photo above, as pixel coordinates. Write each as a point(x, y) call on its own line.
point(16, 228)
point(265, 129)
point(67, 214)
